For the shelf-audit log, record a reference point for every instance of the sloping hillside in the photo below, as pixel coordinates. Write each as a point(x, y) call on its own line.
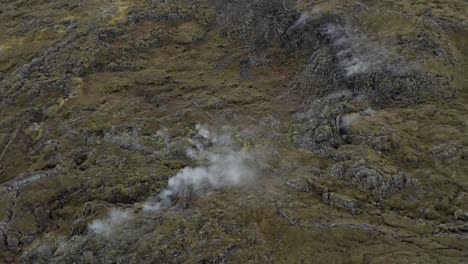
point(233, 131)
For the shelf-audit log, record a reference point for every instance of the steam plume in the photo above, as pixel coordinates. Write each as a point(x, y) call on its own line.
point(222, 165)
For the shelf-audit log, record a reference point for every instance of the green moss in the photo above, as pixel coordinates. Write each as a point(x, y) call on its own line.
point(5, 202)
point(187, 33)
point(408, 224)
point(174, 73)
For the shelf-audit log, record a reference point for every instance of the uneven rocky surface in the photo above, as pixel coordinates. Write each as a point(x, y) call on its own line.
point(233, 131)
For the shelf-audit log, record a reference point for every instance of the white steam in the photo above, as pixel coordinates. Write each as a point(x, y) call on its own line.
point(222, 165)
point(358, 54)
point(348, 120)
point(107, 225)
point(303, 19)
point(348, 45)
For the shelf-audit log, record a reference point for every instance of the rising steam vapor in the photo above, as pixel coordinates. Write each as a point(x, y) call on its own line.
point(349, 45)
point(114, 219)
point(222, 165)
point(358, 54)
point(303, 19)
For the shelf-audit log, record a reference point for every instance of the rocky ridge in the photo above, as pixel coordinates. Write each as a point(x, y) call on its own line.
point(354, 113)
